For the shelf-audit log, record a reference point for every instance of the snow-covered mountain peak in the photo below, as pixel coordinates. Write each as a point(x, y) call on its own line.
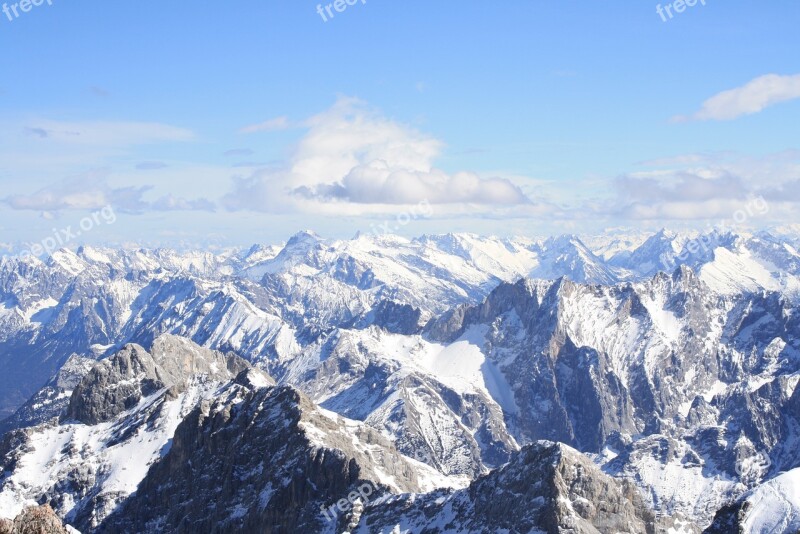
point(304, 237)
point(568, 256)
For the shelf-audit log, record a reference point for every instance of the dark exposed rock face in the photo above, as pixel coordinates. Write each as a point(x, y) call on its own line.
point(267, 461)
point(261, 461)
point(546, 487)
point(120, 382)
point(392, 317)
point(729, 519)
point(114, 385)
point(121, 419)
point(34, 520)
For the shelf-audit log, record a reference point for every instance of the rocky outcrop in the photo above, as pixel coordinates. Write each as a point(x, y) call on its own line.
point(392, 317)
point(121, 381)
point(34, 520)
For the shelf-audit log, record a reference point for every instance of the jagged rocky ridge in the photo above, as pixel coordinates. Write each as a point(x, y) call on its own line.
point(269, 461)
point(665, 382)
point(256, 457)
point(150, 438)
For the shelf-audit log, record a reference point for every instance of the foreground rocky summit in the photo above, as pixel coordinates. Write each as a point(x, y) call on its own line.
point(120, 418)
point(34, 520)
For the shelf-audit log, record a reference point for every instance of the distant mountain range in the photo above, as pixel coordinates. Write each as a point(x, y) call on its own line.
point(472, 384)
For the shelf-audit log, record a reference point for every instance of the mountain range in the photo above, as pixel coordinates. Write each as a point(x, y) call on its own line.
point(471, 384)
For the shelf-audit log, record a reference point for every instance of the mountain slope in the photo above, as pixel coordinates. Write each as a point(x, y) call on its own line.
point(771, 507)
point(283, 462)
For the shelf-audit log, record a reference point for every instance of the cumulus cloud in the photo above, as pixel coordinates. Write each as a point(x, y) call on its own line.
point(91, 191)
point(379, 184)
point(753, 97)
point(768, 169)
point(352, 154)
point(704, 186)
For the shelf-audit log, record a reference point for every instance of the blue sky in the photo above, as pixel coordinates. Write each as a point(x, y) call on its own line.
point(241, 122)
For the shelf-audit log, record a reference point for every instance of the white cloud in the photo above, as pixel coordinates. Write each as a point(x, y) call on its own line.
point(753, 97)
point(379, 184)
point(699, 186)
point(91, 191)
point(768, 169)
point(786, 192)
point(671, 211)
point(278, 123)
point(351, 154)
point(707, 186)
point(172, 203)
point(699, 193)
point(105, 133)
